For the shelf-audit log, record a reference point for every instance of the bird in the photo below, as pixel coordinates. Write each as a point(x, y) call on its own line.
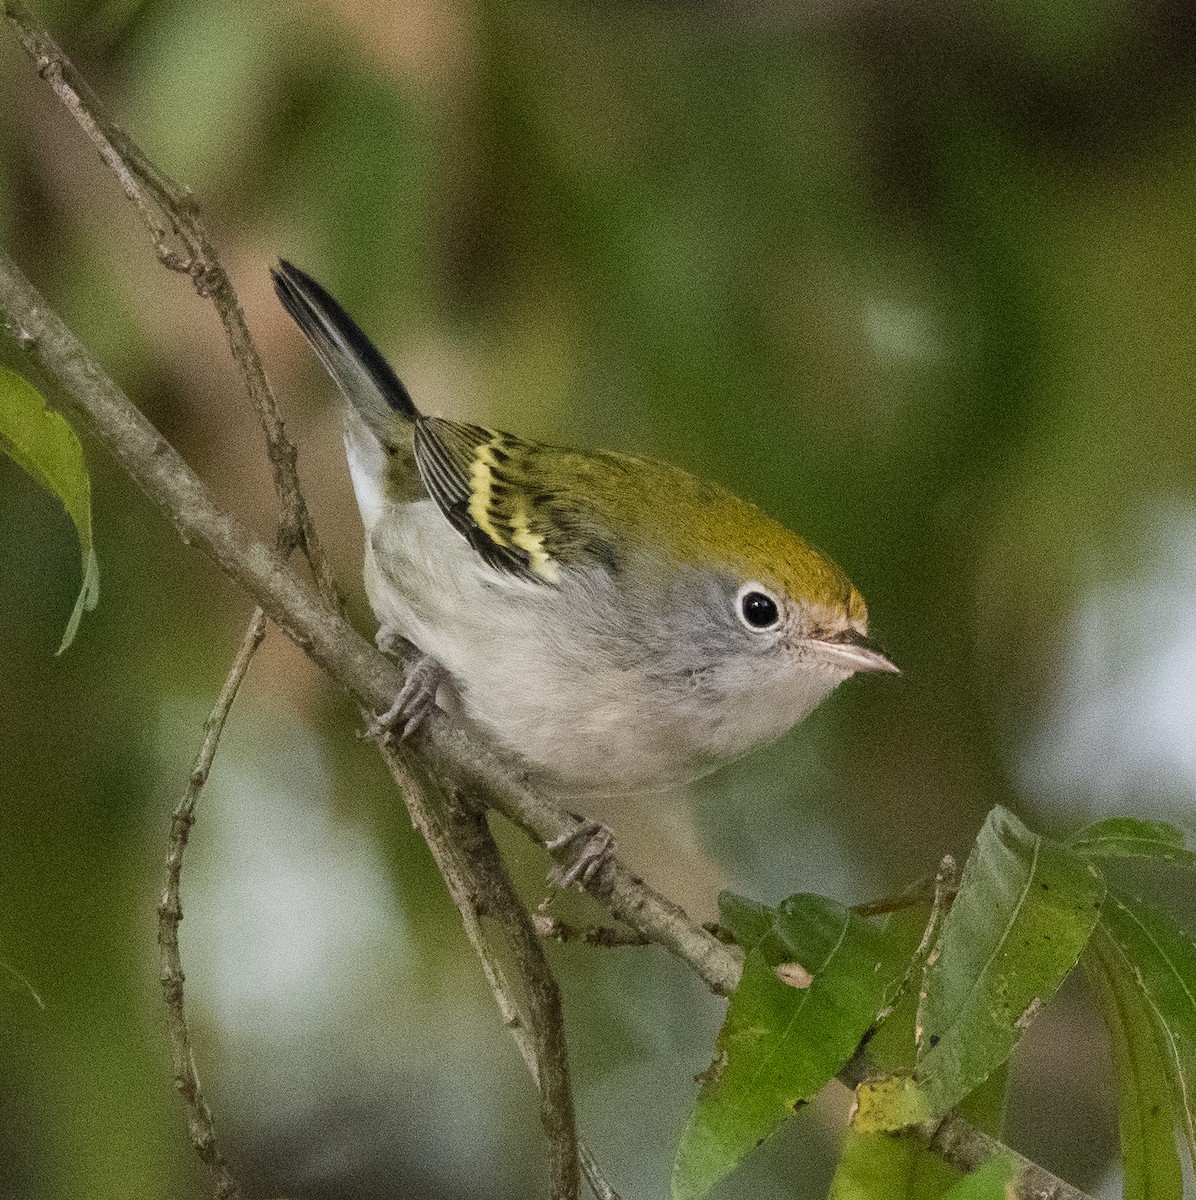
point(609, 622)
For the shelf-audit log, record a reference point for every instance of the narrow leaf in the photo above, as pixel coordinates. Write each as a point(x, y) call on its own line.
point(1127, 837)
point(41, 442)
point(988, 1182)
point(780, 1043)
point(881, 1164)
point(1024, 910)
point(1147, 1118)
point(1161, 962)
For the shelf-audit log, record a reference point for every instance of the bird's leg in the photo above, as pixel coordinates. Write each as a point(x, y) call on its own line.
point(390, 641)
point(415, 700)
point(590, 857)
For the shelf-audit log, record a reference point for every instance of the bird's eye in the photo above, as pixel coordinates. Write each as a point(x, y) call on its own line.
point(758, 609)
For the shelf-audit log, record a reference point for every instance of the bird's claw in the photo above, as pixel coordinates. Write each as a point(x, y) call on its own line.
point(590, 862)
point(411, 706)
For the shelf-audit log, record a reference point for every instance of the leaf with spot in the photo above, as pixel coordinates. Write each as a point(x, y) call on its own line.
point(1023, 913)
point(41, 442)
point(1128, 837)
point(781, 1043)
point(1151, 960)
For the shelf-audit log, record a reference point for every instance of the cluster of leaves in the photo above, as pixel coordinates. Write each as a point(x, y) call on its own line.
point(927, 1002)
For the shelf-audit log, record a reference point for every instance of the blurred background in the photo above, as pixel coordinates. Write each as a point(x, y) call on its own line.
point(918, 277)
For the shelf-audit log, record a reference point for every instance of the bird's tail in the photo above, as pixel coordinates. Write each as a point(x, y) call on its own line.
point(364, 377)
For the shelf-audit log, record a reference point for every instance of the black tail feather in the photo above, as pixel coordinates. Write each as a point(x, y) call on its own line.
point(342, 346)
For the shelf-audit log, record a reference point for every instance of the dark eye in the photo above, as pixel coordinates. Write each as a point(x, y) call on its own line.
point(759, 610)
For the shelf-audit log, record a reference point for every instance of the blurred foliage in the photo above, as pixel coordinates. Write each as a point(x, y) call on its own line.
point(918, 278)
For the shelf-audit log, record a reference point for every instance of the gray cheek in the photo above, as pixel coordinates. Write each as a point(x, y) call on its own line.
point(695, 633)
point(678, 628)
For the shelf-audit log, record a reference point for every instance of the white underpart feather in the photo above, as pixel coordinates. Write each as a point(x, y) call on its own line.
point(367, 467)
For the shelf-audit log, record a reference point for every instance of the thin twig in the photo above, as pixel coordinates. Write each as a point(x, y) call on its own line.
point(463, 848)
point(170, 914)
point(171, 215)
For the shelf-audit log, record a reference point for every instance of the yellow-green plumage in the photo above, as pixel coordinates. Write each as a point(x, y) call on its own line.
point(522, 497)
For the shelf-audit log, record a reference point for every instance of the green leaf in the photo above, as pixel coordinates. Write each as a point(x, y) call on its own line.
point(880, 1164)
point(747, 921)
point(1161, 962)
point(886, 1165)
point(1147, 1118)
point(1024, 911)
point(875, 1166)
point(781, 1042)
point(1127, 837)
point(987, 1182)
point(41, 441)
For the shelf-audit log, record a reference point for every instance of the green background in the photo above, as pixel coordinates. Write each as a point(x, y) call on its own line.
point(918, 278)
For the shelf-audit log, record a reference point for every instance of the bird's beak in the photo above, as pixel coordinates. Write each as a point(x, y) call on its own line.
point(851, 656)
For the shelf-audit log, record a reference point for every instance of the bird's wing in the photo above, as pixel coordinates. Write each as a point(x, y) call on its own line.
point(506, 497)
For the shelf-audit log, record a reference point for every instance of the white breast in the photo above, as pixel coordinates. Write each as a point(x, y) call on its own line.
point(517, 673)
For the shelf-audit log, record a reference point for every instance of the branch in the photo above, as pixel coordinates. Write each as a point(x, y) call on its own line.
point(966, 1147)
point(356, 665)
point(170, 913)
point(464, 850)
point(605, 936)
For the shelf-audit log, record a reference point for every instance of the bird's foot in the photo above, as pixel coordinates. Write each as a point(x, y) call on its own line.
point(415, 701)
point(587, 858)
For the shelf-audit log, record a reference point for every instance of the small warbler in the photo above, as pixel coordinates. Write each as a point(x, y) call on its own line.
point(614, 622)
